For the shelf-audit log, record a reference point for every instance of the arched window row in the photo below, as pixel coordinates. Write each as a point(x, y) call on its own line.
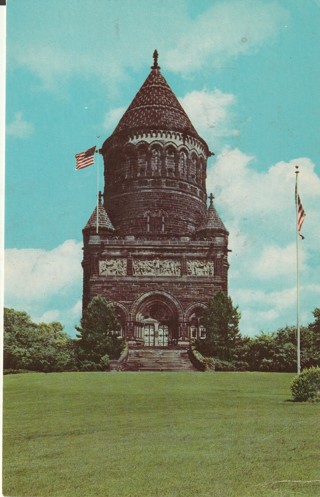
point(157, 160)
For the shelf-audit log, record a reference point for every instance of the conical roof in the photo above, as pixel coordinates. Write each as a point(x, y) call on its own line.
point(155, 106)
point(213, 221)
point(103, 218)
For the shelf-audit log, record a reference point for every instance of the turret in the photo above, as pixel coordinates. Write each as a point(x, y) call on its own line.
point(155, 166)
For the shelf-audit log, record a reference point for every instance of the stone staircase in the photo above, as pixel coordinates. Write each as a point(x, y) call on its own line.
point(158, 359)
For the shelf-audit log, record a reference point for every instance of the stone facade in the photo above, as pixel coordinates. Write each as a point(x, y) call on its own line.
point(159, 254)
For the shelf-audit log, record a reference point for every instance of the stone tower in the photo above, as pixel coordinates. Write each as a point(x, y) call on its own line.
point(160, 254)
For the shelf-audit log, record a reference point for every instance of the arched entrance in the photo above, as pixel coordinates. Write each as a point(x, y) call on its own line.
point(156, 320)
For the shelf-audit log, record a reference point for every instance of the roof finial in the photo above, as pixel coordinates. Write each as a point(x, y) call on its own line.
point(100, 197)
point(155, 59)
point(211, 197)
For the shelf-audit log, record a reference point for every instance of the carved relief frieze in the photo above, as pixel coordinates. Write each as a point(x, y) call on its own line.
point(200, 268)
point(113, 267)
point(157, 267)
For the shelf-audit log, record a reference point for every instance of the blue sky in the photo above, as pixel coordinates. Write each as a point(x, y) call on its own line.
point(247, 73)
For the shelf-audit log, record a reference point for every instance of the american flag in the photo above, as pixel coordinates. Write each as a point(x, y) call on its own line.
point(85, 159)
point(300, 214)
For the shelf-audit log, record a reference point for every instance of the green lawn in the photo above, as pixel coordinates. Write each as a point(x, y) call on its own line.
point(158, 435)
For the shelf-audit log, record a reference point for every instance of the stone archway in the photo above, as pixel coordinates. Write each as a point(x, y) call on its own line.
point(156, 317)
point(194, 321)
point(122, 315)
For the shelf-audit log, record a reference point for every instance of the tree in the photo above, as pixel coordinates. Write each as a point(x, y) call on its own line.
point(221, 320)
point(99, 333)
point(35, 347)
point(316, 325)
point(310, 354)
point(54, 349)
point(278, 351)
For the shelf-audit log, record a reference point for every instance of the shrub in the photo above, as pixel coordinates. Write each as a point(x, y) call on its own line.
point(200, 362)
point(306, 386)
point(17, 371)
point(224, 365)
point(89, 366)
point(104, 363)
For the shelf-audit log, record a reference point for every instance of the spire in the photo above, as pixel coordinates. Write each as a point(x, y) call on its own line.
point(155, 60)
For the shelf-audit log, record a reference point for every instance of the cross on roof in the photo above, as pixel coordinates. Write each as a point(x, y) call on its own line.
point(211, 197)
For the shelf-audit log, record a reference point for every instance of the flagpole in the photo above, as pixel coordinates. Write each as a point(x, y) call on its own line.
point(98, 168)
point(298, 276)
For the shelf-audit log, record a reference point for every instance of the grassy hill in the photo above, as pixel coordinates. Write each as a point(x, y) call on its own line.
point(158, 435)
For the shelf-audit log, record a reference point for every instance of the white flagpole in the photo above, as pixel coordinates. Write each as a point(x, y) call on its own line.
point(98, 199)
point(298, 276)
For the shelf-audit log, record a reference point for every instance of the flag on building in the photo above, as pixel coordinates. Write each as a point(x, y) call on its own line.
point(300, 213)
point(85, 159)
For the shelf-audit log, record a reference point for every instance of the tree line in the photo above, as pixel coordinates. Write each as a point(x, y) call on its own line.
point(47, 347)
point(29, 346)
point(275, 351)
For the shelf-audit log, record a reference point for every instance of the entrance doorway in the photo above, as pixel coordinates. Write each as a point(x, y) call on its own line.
point(156, 321)
point(155, 334)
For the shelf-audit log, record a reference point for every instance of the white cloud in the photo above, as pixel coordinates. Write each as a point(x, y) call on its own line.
point(224, 31)
point(35, 275)
point(245, 192)
point(19, 127)
point(258, 209)
point(46, 284)
point(76, 309)
point(263, 310)
point(48, 316)
point(97, 43)
point(69, 317)
point(282, 298)
point(211, 113)
point(275, 262)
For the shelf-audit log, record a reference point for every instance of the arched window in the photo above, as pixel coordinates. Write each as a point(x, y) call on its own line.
point(201, 180)
point(142, 160)
point(193, 167)
point(199, 173)
point(193, 332)
point(156, 160)
point(155, 221)
point(182, 164)
point(170, 161)
point(202, 331)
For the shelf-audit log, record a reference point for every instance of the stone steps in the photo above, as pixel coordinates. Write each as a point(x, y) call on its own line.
point(158, 360)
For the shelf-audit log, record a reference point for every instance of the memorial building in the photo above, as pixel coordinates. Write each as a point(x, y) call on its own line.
point(158, 252)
